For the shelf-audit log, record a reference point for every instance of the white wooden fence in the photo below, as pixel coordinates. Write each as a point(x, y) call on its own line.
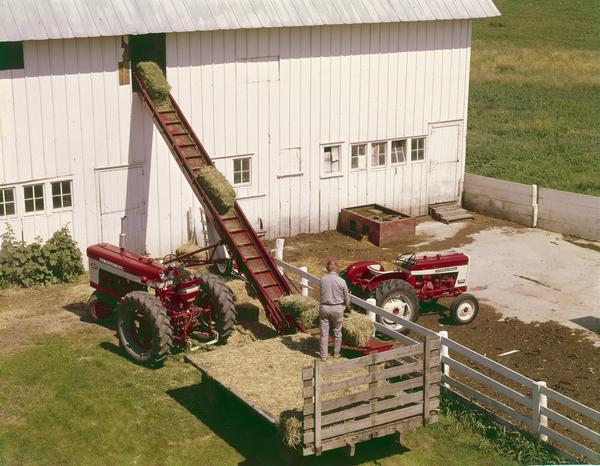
point(525, 403)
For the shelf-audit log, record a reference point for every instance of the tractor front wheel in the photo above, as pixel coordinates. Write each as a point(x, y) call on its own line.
point(464, 309)
point(398, 298)
point(144, 328)
point(219, 296)
point(98, 309)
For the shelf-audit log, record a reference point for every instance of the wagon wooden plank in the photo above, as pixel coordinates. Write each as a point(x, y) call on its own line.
point(372, 421)
point(367, 434)
point(375, 358)
point(374, 408)
point(386, 390)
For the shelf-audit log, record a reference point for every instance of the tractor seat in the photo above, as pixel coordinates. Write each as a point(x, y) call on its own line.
point(375, 269)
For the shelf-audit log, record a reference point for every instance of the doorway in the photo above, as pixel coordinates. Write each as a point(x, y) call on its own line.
point(147, 47)
point(444, 154)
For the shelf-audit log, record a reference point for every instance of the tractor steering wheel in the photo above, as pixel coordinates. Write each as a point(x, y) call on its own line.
point(406, 260)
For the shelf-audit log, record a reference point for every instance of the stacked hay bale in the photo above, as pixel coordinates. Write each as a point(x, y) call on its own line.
point(303, 308)
point(154, 81)
point(247, 306)
point(218, 189)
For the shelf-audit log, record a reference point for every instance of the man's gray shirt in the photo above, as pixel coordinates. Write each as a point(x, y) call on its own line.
point(334, 291)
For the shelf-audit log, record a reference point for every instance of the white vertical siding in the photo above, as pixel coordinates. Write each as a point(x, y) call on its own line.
point(334, 84)
point(260, 92)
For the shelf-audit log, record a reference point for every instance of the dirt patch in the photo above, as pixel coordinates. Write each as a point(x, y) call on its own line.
point(565, 358)
point(26, 313)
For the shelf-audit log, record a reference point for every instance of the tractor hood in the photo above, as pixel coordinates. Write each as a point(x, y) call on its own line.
point(126, 261)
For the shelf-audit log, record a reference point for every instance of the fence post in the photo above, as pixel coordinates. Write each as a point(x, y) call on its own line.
point(534, 205)
point(279, 243)
point(444, 352)
point(304, 282)
point(317, 401)
point(539, 400)
point(370, 314)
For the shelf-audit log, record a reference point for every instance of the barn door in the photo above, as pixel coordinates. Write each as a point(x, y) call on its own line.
point(122, 191)
point(443, 153)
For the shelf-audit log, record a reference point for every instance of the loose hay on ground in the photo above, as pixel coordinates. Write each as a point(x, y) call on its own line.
point(187, 248)
point(247, 306)
point(268, 374)
point(154, 81)
point(304, 308)
point(357, 329)
point(240, 336)
point(217, 187)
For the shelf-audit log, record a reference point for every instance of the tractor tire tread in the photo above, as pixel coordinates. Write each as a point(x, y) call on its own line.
point(222, 300)
point(160, 321)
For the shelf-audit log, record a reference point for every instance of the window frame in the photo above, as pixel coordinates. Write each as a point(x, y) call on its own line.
point(52, 195)
point(424, 149)
point(366, 155)
point(241, 171)
point(340, 169)
point(25, 199)
point(372, 144)
point(406, 143)
point(14, 202)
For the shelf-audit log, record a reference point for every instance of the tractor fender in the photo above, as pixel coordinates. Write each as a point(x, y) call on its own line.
point(385, 276)
point(357, 270)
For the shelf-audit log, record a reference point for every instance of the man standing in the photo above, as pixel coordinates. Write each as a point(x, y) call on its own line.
point(335, 297)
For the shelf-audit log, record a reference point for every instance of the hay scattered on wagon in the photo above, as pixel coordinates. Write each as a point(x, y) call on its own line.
point(304, 308)
point(219, 190)
point(240, 336)
point(154, 81)
point(267, 373)
point(357, 329)
point(290, 428)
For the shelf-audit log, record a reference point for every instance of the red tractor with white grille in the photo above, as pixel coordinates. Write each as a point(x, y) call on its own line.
point(417, 279)
point(182, 305)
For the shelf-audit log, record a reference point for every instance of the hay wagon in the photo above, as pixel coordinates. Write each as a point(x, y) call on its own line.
point(334, 404)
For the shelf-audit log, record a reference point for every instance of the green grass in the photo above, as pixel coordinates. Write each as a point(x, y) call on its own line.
point(535, 94)
point(76, 399)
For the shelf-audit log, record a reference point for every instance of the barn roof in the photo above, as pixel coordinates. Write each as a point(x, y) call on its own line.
point(56, 19)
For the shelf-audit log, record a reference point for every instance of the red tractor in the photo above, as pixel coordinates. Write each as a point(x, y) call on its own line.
point(183, 305)
point(417, 279)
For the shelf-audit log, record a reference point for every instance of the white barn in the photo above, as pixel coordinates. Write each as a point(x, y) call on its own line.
point(306, 106)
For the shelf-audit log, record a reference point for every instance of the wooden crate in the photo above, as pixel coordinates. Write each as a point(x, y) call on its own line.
point(383, 226)
point(400, 392)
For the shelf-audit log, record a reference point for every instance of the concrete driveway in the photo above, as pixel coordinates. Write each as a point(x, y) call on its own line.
point(531, 274)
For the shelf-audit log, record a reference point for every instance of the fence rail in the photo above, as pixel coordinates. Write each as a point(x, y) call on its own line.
point(531, 409)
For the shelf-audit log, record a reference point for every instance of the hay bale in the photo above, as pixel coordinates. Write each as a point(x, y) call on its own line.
point(154, 81)
point(219, 190)
point(247, 306)
point(290, 428)
point(304, 309)
point(186, 248)
point(357, 329)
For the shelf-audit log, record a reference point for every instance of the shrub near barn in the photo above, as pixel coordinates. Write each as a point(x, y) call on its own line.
point(28, 264)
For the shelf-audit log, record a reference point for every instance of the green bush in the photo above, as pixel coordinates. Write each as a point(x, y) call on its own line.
point(23, 264)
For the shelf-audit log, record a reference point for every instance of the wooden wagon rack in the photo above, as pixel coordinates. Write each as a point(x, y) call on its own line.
point(402, 393)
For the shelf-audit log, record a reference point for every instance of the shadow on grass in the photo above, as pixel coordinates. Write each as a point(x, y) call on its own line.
point(257, 440)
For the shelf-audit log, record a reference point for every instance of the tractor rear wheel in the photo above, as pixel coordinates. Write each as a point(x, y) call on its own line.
point(399, 298)
point(220, 298)
point(464, 309)
point(144, 328)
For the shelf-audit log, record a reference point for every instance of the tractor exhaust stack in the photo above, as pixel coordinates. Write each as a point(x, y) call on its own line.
point(122, 235)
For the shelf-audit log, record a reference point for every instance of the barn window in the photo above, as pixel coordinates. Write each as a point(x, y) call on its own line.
point(241, 170)
point(11, 56)
point(378, 154)
point(417, 149)
point(34, 197)
point(61, 194)
point(399, 151)
point(358, 158)
point(331, 159)
point(7, 202)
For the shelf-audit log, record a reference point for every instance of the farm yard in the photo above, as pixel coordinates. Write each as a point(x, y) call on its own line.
point(534, 95)
point(97, 407)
